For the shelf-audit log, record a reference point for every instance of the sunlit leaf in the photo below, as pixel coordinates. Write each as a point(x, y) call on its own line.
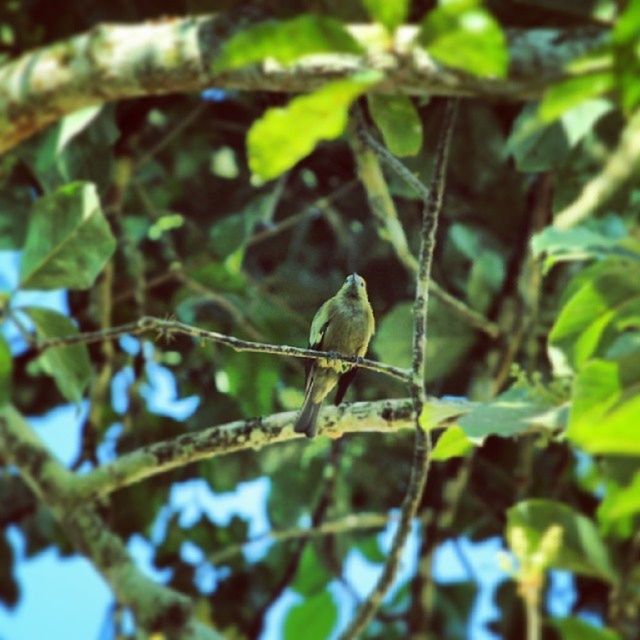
point(579, 629)
point(464, 35)
point(606, 406)
point(285, 135)
point(398, 121)
point(312, 575)
point(573, 91)
point(286, 41)
point(6, 367)
point(390, 13)
point(453, 443)
point(68, 240)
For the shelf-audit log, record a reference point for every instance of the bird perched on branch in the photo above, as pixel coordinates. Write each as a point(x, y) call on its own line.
point(343, 324)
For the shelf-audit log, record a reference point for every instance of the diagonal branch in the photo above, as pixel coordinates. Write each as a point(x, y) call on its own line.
point(157, 608)
point(170, 327)
point(254, 433)
point(422, 446)
point(116, 62)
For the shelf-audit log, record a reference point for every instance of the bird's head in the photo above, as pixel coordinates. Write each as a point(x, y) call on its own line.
point(354, 287)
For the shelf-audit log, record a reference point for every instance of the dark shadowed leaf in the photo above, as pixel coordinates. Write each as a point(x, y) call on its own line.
point(69, 366)
point(68, 240)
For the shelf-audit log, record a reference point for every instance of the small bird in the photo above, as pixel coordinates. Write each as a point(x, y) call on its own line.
point(343, 324)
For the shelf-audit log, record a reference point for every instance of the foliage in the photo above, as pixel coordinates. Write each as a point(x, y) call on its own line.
point(159, 206)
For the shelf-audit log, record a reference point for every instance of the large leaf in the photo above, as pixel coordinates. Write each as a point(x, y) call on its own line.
point(606, 406)
point(582, 550)
point(286, 41)
point(513, 412)
point(398, 121)
point(464, 35)
point(313, 619)
point(69, 366)
point(285, 135)
point(390, 13)
point(620, 502)
point(68, 240)
point(608, 300)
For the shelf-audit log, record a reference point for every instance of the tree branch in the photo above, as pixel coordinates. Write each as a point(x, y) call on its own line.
point(171, 327)
point(384, 416)
point(422, 446)
point(116, 62)
point(621, 165)
point(157, 608)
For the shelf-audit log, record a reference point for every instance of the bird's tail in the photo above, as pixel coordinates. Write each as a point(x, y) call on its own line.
point(306, 422)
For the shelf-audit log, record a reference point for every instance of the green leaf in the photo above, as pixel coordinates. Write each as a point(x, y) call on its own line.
point(58, 136)
point(286, 41)
point(285, 135)
point(252, 381)
point(398, 121)
point(580, 243)
point(606, 406)
point(610, 299)
point(449, 339)
point(68, 240)
point(313, 619)
point(578, 629)
point(312, 575)
point(620, 502)
point(13, 221)
point(573, 91)
point(464, 35)
point(513, 412)
point(370, 549)
point(582, 550)
point(453, 443)
point(390, 13)
point(69, 366)
point(6, 368)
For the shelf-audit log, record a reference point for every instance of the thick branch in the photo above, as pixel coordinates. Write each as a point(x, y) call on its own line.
point(385, 417)
point(157, 608)
point(115, 62)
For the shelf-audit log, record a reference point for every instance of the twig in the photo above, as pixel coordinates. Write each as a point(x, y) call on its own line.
point(422, 446)
point(170, 327)
point(621, 165)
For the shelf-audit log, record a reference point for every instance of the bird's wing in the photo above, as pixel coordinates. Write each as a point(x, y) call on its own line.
point(316, 335)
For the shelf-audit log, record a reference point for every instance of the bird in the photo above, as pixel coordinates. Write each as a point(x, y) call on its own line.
point(343, 324)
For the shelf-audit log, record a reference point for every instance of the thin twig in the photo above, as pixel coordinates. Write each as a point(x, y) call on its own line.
point(170, 327)
point(422, 446)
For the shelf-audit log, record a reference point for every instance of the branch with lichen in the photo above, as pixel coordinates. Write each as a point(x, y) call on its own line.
point(422, 445)
point(156, 608)
point(385, 416)
point(175, 55)
point(168, 328)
